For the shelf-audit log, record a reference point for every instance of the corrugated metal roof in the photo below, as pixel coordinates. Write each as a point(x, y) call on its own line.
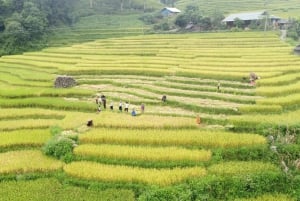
point(173, 10)
point(245, 16)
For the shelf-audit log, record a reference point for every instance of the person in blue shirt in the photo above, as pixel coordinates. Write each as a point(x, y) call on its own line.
point(133, 113)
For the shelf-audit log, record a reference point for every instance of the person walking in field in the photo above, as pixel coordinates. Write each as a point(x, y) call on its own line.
point(120, 106)
point(142, 108)
point(111, 106)
point(219, 86)
point(103, 100)
point(98, 100)
point(126, 107)
point(198, 120)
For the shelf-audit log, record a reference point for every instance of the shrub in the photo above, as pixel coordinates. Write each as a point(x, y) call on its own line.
point(60, 147)
point(223, 188)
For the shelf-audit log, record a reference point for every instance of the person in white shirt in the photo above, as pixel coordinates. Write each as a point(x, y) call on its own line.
point(126, 107)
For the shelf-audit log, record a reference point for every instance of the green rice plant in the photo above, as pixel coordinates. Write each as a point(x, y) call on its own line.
point(30, 58)
point(200, 138)
point(27, 74)
point(142, 153)
point(52, 190)
point(117, 71)
point(32, 137)
point(27, 124)
point(26, 162)
point(207, 88)
point(212, 82)
point(220, 75)
point(19, 61)
point(279, 90)
point(112, 173)
point(175, 91)
point(22, 92)
point(289, 102)
point(241, 168)
point(17, 81)
point(255, 122)
point(279, 80)
point(26, 67)
point(268, 197)
point(29, 113)
point(260, 109)
point(47, 102)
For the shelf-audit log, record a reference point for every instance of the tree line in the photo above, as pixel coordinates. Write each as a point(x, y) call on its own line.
point(24, 24)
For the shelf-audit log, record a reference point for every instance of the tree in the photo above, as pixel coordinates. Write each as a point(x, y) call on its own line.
point(16, 5)
point(182, 20)
point(18, 36)
point(3, 8)
point(33, 20)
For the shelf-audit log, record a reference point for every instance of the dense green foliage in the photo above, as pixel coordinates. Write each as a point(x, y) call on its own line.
point(60, 146)
point(53, 190)
point(24, 24)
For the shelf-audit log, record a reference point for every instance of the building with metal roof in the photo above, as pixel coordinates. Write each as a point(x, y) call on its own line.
point(167, 11)
point(248, 17)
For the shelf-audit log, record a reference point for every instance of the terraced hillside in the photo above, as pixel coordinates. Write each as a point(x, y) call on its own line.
point(161, 153)
point(281, 8)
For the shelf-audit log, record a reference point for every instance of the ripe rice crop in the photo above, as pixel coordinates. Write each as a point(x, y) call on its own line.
point(199, 138)
point(241, 168)
point(33, 137)
point(142, 153)
point(27, 161)
point(114, 173)
point(120, 120)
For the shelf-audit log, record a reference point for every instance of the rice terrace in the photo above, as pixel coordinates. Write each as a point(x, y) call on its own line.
point(217, 136)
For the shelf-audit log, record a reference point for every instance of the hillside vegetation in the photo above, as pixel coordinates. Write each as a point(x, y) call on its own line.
point(243, 145)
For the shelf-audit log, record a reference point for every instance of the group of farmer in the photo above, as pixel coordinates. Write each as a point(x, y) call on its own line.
point(101, 101)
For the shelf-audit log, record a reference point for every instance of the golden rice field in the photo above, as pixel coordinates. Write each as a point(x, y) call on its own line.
point(199, 138)
point(18, 162)
point(98, 171)
point(227, 140)
point(142, 153)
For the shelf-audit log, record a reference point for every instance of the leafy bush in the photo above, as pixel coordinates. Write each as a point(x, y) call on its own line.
point(225, 188)
point(60, 147)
